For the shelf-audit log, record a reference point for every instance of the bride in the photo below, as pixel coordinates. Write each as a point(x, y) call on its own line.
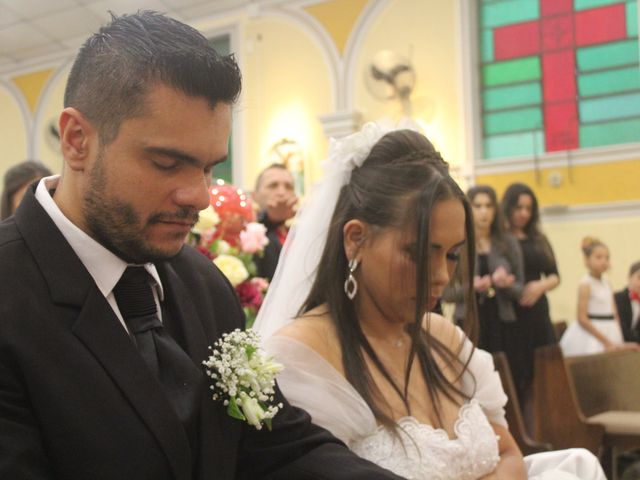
point(366, 261)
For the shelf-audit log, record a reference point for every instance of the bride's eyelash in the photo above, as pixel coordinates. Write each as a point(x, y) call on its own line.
point(453, 256)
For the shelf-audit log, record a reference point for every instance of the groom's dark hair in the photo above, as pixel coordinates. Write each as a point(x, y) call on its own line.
point(398, 185)
point(118, 65)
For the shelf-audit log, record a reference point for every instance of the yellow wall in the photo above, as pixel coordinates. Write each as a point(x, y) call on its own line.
point(426, 32)
point(13, 131)
point(596, 183)
point(49, 108)
point(287, 85)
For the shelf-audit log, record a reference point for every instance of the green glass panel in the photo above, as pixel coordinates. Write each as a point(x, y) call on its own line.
point(607, 108)
point(223, 170)
point(584, 4)
point(606, 56)
point(632, 19)
point(609, 81)
point(511, 96)
point(512, 121)
point(506, 12)
point(486, 45)
point(514, 145)
point(625, 131)
point(511, 71)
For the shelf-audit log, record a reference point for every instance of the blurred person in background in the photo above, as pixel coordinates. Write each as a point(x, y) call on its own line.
point(522, 217)
point(628, 305)
point(275, 194)
point(16, 181)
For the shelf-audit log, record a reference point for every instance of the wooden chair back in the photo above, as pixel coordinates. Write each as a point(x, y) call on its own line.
point(513, 411)
point(606, 381)
point(559, 329)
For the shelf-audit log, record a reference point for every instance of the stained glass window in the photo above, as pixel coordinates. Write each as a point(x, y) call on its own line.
point(558, 75)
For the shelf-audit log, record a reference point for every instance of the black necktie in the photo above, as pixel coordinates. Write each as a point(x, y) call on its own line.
point(180, 378)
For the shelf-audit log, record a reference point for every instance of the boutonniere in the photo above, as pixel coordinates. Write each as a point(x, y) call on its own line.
point(244, 377)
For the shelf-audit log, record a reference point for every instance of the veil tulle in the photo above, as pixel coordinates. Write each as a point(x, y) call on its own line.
point(305, 242)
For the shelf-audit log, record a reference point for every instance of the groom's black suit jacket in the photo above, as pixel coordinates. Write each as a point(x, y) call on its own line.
point(77, 401)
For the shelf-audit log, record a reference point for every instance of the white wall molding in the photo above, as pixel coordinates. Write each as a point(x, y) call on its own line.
point(584, 156)
point(27, 117)
point(470, 104)
point(317, 33)
point(353, 47)
point(340, 124)
point(593, 211)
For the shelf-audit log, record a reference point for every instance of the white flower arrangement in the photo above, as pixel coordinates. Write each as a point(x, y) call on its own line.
point(243, 377)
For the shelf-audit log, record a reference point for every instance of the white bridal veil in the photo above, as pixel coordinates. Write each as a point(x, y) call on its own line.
point(305, 242)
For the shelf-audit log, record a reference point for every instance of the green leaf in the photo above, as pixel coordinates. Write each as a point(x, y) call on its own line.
point(267, 422)
point(234, 411)
point(250, 350)
point(250, 315)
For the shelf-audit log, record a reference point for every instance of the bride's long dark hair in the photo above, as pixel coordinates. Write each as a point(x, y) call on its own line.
point(398, 185)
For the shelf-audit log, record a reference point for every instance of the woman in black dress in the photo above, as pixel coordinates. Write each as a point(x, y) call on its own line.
point(498, 278)
point(520, 210)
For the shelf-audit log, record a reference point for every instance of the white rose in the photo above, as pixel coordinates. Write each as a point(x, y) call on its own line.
point(233, 268)
point(207, 220)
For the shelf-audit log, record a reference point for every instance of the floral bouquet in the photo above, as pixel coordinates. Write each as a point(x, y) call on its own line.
point(243, 377)
point(227, 234)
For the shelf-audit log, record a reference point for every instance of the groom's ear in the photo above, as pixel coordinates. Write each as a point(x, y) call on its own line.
point(355, 233)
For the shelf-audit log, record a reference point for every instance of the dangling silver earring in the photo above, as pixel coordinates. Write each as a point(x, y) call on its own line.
point(351, 284)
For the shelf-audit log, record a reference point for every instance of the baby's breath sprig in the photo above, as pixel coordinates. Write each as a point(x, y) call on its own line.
point(243, 377)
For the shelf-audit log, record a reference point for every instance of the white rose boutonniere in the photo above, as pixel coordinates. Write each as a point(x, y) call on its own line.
point(244, 377)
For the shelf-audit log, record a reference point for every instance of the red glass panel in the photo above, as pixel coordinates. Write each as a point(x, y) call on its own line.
point(600, 25)
point(558, 76)
point(557, 32)
point(553, 7)
point(519, 40)
point(561, 126)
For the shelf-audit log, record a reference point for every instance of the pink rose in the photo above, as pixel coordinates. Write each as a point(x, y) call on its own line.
point(261, 283)
point(253, 238)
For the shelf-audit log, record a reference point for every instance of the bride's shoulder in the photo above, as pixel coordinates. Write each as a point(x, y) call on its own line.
point(316, 330)
point(442, 330)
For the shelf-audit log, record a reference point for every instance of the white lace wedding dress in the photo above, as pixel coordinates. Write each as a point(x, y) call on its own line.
point(423, 452)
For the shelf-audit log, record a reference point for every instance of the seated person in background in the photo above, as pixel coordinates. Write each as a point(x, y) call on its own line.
point(275, 195)
point(16, 181)
point(598, 328)
point(628, 305)
point(366, 262)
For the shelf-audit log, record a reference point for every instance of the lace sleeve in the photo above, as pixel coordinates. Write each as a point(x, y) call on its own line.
point(482, 382)
point(311, 383)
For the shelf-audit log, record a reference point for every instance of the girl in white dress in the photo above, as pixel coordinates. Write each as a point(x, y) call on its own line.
point(598, 326)
point(367, 259)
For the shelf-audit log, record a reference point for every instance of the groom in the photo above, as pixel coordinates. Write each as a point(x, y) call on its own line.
point(105, 317)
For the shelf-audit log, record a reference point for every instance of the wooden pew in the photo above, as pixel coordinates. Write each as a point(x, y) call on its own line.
point(513, 411)
point(590, 401)
point(608, 391)
point(558, 417)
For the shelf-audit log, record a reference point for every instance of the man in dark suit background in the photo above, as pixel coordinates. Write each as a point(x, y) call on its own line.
point(275, 195)
point(628, 305)
point(85, 391)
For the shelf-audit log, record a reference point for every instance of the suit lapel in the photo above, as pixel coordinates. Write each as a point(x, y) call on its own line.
point(98, 328)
